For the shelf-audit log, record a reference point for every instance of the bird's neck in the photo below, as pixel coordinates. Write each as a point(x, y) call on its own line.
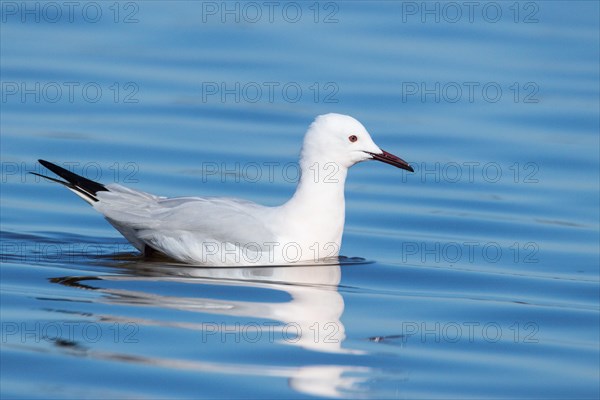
point(321, 183)
point(319, 200)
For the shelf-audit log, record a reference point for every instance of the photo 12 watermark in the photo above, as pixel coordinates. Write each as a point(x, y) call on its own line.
point(469, 252)
point(264, 252)
point(69, 331)
point(50, 92)
point(57, 12)
point(270, 12)
point(319, 332)
point(470, 12)
point(270, 172)
point(469, 331)
point(269, 92)
point(470, 92)
point(116, 172)
point(74, 252)
point(474, 172)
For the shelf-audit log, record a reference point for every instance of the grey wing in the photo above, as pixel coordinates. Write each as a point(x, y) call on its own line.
point(182, 227)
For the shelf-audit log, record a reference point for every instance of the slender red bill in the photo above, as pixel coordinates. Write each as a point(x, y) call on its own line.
point(391, 159)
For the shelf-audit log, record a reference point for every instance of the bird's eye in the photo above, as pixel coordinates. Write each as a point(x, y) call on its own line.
point(352, 138)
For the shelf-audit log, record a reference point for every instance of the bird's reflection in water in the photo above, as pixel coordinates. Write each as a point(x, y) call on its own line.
point(314, 309)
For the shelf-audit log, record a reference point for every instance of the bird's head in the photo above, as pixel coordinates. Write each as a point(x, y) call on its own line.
point(345, 141)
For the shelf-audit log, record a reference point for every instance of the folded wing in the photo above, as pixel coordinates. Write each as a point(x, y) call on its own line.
point(186, 228)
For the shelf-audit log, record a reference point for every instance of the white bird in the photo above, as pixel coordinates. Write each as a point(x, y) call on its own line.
point(219, 231)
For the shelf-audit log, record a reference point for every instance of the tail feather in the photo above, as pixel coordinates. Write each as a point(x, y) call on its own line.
point(83, 187)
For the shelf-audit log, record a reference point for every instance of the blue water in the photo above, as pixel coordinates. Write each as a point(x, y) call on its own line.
point(476, 276)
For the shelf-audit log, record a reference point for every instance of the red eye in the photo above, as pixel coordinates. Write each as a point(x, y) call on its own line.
point(352, 138)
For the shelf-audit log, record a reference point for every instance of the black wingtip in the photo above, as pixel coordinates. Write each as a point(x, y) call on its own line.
point(50, 178)
point(75, 180)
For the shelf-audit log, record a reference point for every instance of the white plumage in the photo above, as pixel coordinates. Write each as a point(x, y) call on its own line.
point(225, 231)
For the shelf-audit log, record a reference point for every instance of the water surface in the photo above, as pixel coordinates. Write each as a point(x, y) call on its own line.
point(476, 276)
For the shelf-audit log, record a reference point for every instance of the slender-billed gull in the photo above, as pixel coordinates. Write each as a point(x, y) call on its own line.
point(220, 231)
